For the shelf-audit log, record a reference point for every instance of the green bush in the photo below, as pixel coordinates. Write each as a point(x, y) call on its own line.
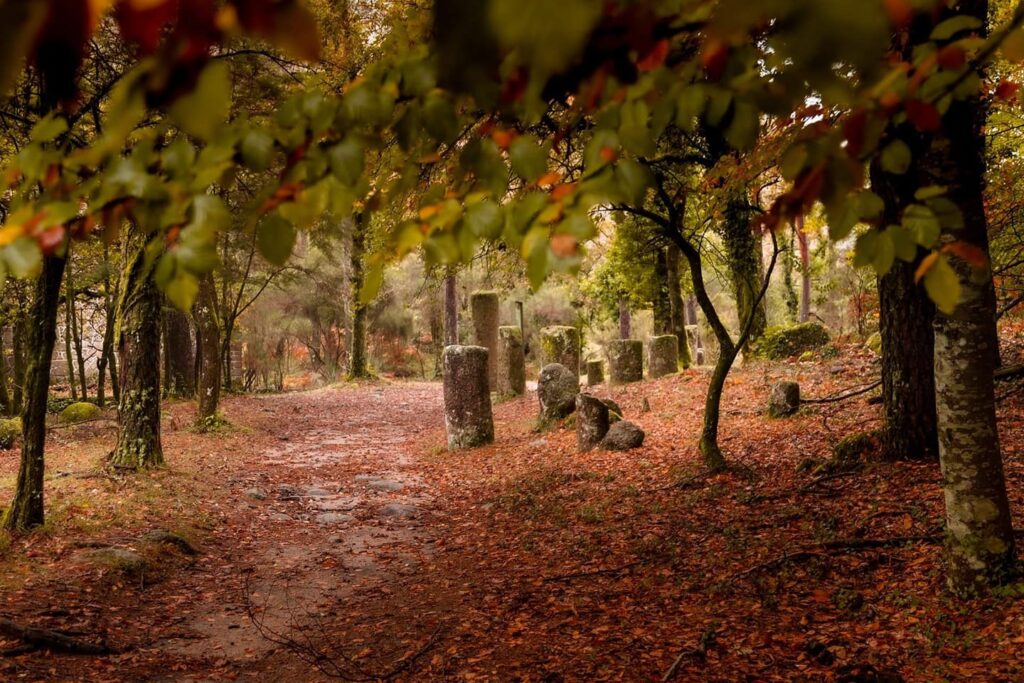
point(56, 404)
point(784, 342)
point(10, 430)
point(80, 412)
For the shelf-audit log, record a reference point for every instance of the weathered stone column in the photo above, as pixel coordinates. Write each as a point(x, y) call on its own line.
point(662, 355)
point(556, 391)
point(511, 362)
point(560, 344)
point(625, 361)
point(484, 307)
point(467, 397)
point(595, 373)
point(592, 421)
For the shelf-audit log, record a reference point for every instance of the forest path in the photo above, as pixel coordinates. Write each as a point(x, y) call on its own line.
point(333, 510)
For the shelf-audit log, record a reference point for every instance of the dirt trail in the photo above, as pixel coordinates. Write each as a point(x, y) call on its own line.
point(312, 506)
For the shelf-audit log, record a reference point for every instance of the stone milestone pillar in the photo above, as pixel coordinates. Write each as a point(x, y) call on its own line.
point(560, 344)
point(467, 397)
point(595, 372)
point(662, 355)
point(484, 307)
point(511, 362)
point(625, 361)
point(592, 421)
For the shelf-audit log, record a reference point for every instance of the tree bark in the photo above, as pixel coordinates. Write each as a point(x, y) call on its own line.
point(662, 305)
point(26, 509)
point(5, 396)
point(19, 334)
point(209, 356)
point(76, 331)
point(138, 341)
point(451, 310)
point(677, 307)
point(179, 354)
point(358, 367)
point(625, 320)
point(69, 373)
point(980, 540)
point(743, 252)
point(805, 273)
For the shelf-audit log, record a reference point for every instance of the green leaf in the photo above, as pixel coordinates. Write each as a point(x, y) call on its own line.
point(182, 289)
point(885, 253)
point(903, 243)
point(744, 126)
point(954, 25)
point(947, 212)
point(943, 285)
point(23, 257)
point(372, 282)
point(922, 223)
point(633, 180)
point(529, 159)
point(275, 238)
point(484, 219)
point(794, 160)
point(548, 35)
point(929, 192)
point(896, 157)
point(257, 150)
point(205, 109)
point(868, 205)
point(689, 107)
point(347, 159)
point(865, 249)
point(48, 128)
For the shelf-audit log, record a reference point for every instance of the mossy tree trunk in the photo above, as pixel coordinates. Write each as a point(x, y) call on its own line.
point(107, 359)
point(358, 365)
point(26, 509)
point(209, 356)
point(138, 342)
point(980, 541)
point(19, 335)
point(743, 252)
point(69, 368)
point(451, 309)
point(662, 304)
point(625, 319)
point(76, 329)
point(179, 354)
point(5, 396)
point(677, 307)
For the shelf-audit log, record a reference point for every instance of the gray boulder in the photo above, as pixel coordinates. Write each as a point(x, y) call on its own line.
point(784, 399)
point(623, 436)
point(556, 390)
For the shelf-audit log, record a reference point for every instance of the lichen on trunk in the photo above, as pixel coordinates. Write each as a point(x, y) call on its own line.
point(208, 324)
point(138, 341)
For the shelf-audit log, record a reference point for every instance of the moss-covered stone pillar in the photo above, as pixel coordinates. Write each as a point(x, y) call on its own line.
point(595, 372)
point(484, 308)
point(467, 397)
point(662, 355)
point(560, 344)
point(625, 361)
point(511, 362)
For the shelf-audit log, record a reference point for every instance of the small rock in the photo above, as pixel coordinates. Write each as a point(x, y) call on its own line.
point(125, 561)
point(614, 410)
point(623, 436)
point(280, 517)
point(333, 518)
point(398, 510)
point(165, 537)
point(287, 491)
point(556, 390)
point(255, 494)
point(784, 399)
point(384, 485)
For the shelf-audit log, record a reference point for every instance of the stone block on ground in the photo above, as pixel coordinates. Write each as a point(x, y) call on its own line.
point(592, 421)
point(467, 397)
point(556, 390)
point(595, 373)
point(623, 436)
point(561, 344)
point(625, 361)
point(511, 362)
point(784, 399)
point(485, 309)
point(662, 355)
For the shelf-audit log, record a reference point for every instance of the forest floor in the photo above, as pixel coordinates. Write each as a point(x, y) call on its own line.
point(334, 535)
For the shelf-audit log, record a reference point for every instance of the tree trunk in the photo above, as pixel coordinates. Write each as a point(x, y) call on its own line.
point(107, 357)
point(451, 310)
point(662, 305)
point(743, 252)
point(179, 354)
point(625, 320)
point(357, 359)
point(789, 294)
point(69, 373)
point(19, 334)
point(5, 396)
point(980, 540)
point(138, 341)
point(805, 272)
point(26, 509)
point(209, 352)
point(905, 326)
point(678, 308)
point(76, 331)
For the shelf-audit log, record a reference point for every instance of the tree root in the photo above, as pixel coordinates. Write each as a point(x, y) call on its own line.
point(39, 638)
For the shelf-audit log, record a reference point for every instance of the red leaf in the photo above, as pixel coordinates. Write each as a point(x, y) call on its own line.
point(655, 58)
point(967, 252)
point(50, 239)
point(714, 57)
point(853, 132)
point(900, 12)
point(952, 57)
point(1007, 90)
point(923, 115)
